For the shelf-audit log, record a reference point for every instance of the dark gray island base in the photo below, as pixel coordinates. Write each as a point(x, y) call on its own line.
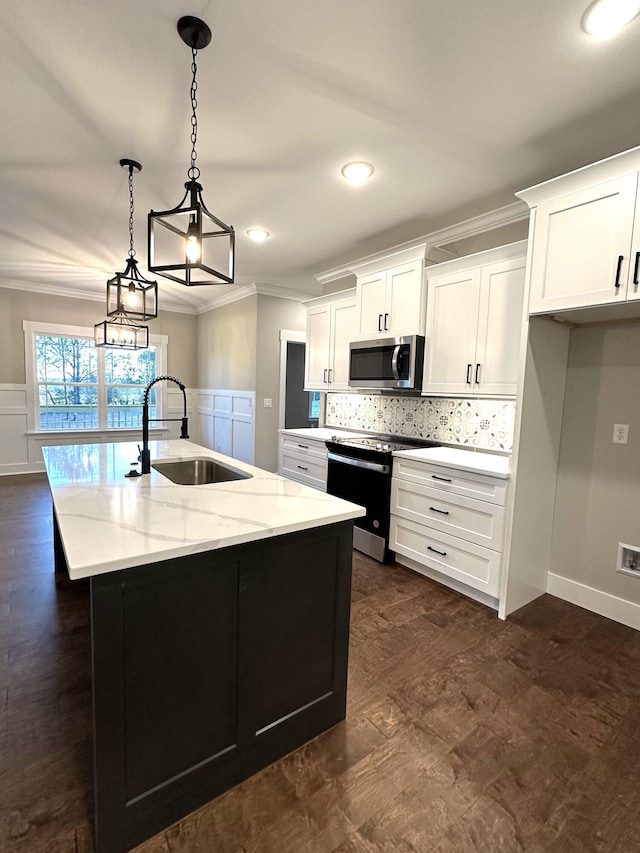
point(209, 667)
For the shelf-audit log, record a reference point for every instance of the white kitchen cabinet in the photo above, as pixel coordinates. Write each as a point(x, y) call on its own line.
point(303, 459)
point(585, 236)
point(474, 321)
point(331, 325)
point(391, 302)
point(436, 525)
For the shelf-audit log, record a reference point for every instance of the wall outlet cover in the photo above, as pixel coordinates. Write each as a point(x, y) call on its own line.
point(620, 433)
point(268, 403)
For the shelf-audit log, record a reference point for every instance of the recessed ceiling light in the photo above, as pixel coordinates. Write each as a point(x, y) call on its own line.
point(605, 17)
point(259, 235)
point(357, 173)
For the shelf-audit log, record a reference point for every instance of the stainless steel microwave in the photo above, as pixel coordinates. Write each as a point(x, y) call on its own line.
point(387, 363)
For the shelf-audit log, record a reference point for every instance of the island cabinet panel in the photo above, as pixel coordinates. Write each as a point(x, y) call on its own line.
point(194, 704)
point(301, 639)
point(209, 667)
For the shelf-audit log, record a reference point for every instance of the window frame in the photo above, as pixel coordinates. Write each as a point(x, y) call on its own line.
point(32, 329)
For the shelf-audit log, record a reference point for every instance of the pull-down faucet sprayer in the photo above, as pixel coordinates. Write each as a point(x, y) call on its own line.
point(145, 453)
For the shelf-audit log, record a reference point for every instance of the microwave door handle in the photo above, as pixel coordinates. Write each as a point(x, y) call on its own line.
point(394, 362)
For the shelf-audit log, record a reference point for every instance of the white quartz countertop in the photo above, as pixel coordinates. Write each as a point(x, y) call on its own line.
point(321, 433)
point(108, 522)
point(464, 460)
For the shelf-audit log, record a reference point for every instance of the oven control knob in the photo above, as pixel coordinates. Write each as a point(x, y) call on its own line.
point(378, 446)
point(385, 447)
point(376, 523)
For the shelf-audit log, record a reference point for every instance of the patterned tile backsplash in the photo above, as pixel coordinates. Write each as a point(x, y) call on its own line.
point(482, 424)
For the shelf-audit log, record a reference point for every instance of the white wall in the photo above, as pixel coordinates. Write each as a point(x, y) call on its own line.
point(598, 492)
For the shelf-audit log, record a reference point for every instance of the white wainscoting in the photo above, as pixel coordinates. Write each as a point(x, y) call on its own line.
point(226, 422)
point(221, 420)
point(14, 453)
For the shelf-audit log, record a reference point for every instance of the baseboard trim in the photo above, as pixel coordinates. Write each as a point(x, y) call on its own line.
point(22, 468)
point(603, 603)
point(456, 586)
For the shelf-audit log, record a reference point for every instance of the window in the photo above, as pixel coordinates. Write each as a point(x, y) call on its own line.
point(78, 386)
point(126, 375)
point(314, 405)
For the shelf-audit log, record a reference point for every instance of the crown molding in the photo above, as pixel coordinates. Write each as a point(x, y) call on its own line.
point(246, 290)
point(86, 295)
point(510, 213)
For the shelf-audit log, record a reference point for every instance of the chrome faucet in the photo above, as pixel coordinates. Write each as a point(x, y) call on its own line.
point(145, 453)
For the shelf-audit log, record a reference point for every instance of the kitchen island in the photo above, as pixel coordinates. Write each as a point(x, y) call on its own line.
point(220, 625)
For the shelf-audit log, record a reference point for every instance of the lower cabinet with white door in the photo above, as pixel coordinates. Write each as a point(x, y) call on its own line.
point(449, 522)
point(303, 454)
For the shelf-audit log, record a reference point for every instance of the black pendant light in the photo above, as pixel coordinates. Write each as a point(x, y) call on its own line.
point(130, 296)
point(188, 244)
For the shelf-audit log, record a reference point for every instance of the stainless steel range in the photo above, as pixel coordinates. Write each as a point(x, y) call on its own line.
point(360, 471)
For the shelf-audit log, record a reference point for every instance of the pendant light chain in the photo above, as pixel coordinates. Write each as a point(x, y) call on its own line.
point(194, 171)
point(132, 251)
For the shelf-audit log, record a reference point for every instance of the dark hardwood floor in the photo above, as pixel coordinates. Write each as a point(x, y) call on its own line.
point(463, 733)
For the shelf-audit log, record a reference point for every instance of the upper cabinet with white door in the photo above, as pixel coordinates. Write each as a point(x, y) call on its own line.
point(585, 236)
point(474, 323)
point(390, 295)
point(331, 325)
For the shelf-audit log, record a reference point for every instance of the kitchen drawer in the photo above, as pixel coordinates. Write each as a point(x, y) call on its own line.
point(476, 521)
point(470, 564)
point(457, 482)
point(308, 470)
point(306, 446)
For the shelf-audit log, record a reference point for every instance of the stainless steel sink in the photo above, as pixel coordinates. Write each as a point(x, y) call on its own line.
point(198, 471)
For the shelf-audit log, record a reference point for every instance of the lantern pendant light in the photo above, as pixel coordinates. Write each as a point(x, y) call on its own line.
point(130, 296)
point(188, 244)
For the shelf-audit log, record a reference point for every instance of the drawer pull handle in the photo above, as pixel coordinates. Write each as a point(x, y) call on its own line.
point(435, 550)
point(304, 446)
point(618, 270)
point(441, 511)
point(442, 479)
point(635, 269)
point(303, 467)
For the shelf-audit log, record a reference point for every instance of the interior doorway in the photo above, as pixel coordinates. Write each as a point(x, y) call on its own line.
point(298, 408)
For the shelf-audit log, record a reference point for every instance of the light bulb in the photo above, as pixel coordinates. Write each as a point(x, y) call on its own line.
point(192, 250)
point(192, 243)
point(605, 17)
point(258, 235)
point(132, 297)
point(357, 173)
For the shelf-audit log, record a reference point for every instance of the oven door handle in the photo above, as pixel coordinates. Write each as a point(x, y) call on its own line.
point(358, 463)
point(394, 362)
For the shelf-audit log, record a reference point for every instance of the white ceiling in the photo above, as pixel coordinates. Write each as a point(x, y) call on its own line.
point(457, 103)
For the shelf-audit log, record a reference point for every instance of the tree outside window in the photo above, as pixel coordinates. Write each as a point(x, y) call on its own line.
point(77, 389)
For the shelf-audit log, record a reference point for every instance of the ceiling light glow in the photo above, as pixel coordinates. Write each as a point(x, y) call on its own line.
point(258, 235)
point(357, 173)
point(606, 17)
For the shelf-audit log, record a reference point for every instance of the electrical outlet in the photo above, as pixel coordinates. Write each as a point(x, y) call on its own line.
point(268, 403)
point(620, 433)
